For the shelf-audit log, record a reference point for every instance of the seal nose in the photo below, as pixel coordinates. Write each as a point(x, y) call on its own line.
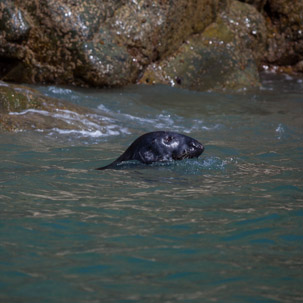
point(199, 145)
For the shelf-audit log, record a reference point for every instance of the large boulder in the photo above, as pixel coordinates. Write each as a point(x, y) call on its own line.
point(284, 22)
point(285, 43)
point(153, 29)
point(225, 55)
point(94, 43)
point(58, 42)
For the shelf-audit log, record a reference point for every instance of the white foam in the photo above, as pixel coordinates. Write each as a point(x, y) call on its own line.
point(89, 124)
point(85, 133)
point(98, 126)
point(59, 90)
point(105, 132)
point(24, 112)
point(162, 121)
point(104, 108)
point(139, 119)
point(288, 77)
point(3, 83)
point(280, 130)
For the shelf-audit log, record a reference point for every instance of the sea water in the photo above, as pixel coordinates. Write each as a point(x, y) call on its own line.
point(226, 227)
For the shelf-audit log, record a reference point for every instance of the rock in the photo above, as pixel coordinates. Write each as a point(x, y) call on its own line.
point(114, 43)
point(299, 67)
point(249, 28)
point(104, 63)
point(258, 4)
point(225, 55)
point(59, 43)
point(23, 108)
point(152, 29)
point(285, 25)
point(13, 22)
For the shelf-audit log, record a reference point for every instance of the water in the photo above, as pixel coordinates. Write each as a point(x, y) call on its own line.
point(226, 227)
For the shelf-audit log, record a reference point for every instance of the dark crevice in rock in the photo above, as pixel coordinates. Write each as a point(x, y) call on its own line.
point(273, 15)
point(7, 64)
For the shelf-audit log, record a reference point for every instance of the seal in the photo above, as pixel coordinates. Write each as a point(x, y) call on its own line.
point(159, 146)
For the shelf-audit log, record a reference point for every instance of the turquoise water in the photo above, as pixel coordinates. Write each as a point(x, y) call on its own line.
point(226, 227)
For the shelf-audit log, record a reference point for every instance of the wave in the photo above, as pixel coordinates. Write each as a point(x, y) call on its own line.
point(73, 123)
point(163, 120)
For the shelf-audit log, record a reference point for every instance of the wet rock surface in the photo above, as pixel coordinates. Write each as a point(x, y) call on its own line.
point(285, 32)
point(23, 108)
point(115, 43)
point(225, 55)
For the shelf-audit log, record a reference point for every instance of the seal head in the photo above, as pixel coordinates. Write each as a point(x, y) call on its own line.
point(158, 147)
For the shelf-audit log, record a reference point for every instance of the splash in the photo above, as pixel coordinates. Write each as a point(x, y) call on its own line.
point(280, 131)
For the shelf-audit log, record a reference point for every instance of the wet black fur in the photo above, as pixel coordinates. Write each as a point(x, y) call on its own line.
point(158, 147)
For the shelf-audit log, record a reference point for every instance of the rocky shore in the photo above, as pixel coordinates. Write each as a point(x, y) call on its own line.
point(194, 44)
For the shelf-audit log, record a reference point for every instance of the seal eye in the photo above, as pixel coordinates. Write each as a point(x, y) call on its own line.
point(167, 140)
point(170, 141)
